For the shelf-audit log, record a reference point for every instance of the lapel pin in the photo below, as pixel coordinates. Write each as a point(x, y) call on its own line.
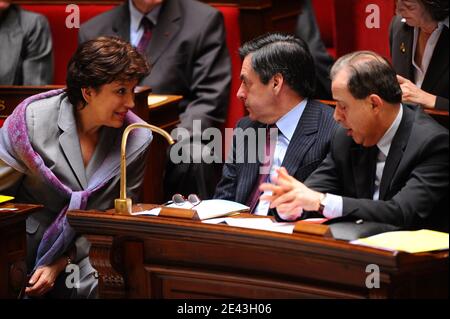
point(402, 47)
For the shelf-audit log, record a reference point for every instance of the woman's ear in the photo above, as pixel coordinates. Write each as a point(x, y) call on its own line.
point(87, 94)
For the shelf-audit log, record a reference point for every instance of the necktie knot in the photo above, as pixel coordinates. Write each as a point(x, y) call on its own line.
point(146, 24)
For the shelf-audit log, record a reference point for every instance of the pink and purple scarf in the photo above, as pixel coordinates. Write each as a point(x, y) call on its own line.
point(16, 151)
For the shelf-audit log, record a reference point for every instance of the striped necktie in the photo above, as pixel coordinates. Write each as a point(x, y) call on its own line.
point(146, 36)
point(264, 170)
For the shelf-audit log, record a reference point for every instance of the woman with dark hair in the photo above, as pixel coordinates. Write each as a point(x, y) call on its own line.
point(61, 149)
point(419, 49)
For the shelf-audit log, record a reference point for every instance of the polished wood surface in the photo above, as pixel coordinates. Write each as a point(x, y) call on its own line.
point(156, 257)
point(12, 95)
point(163, 115)
point(13, 251)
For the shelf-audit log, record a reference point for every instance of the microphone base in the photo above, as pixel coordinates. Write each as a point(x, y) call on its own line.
point(123, 206)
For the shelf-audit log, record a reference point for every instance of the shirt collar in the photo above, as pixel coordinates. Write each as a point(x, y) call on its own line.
point(136, 16)
point(384, 144)
point(288, 123)
point(443, 22)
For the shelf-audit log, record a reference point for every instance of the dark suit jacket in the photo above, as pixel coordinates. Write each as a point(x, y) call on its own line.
point(308, 29)
point(25, 48)
point(437, 76)
point(414, 185)
point(307, 148)
point(188, 54)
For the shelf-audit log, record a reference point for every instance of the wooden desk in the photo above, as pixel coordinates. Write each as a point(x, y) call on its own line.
point(163, 114)
point(12, 95)
point(154, 257)
point(13, 251)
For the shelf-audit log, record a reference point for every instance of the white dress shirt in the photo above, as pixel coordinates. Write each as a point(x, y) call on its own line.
point(136, 29)
point(286, 128)
point(419, 72)
point(333, 204)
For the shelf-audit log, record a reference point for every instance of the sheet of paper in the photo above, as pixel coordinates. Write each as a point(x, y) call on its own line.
point(261, 224)
point(151, 212)
point(215, 220)
point(155, 99)
point(409, 241)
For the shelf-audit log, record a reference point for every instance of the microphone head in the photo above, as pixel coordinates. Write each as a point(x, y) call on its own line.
point(403, 20)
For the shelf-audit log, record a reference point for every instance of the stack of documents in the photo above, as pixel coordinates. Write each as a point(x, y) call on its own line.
point(410, 241)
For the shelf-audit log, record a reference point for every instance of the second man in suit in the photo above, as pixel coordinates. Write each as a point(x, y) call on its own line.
point(278, 78)
point(388, 162)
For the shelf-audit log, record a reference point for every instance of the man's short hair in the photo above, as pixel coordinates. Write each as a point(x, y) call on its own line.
point(287, 55)
point(101, 61)
point(369, 73)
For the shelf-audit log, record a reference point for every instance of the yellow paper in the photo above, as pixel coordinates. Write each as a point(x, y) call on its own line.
point(4, 198)
point(410, 241)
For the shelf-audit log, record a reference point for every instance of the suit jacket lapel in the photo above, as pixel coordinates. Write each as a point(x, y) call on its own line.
point(70, 143)
point(121, 26)
point(108, 138)
point(439, 62)
point(396, 150)
point(169, 23)
point(404, 62)
point(364, 165)
point(250, 170)
point(302, 139)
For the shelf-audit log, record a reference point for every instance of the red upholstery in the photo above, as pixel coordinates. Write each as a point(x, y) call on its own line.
point(65, 40)
point(372, 39)
point(324, 11)
point(233, 40)
point(343, 28)
point(1, 122)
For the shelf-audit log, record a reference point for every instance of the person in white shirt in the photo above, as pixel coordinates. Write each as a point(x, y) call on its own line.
point(388, 162)
point(278, 76)
point(419, 48)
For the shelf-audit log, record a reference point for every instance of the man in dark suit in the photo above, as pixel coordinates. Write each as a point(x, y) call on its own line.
point(277, 83)
point(26, 47)
point(184, 41)
point(388, 162)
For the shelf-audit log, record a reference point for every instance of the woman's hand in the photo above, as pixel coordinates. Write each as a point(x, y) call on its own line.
point(43, 279)
point(412, 94)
